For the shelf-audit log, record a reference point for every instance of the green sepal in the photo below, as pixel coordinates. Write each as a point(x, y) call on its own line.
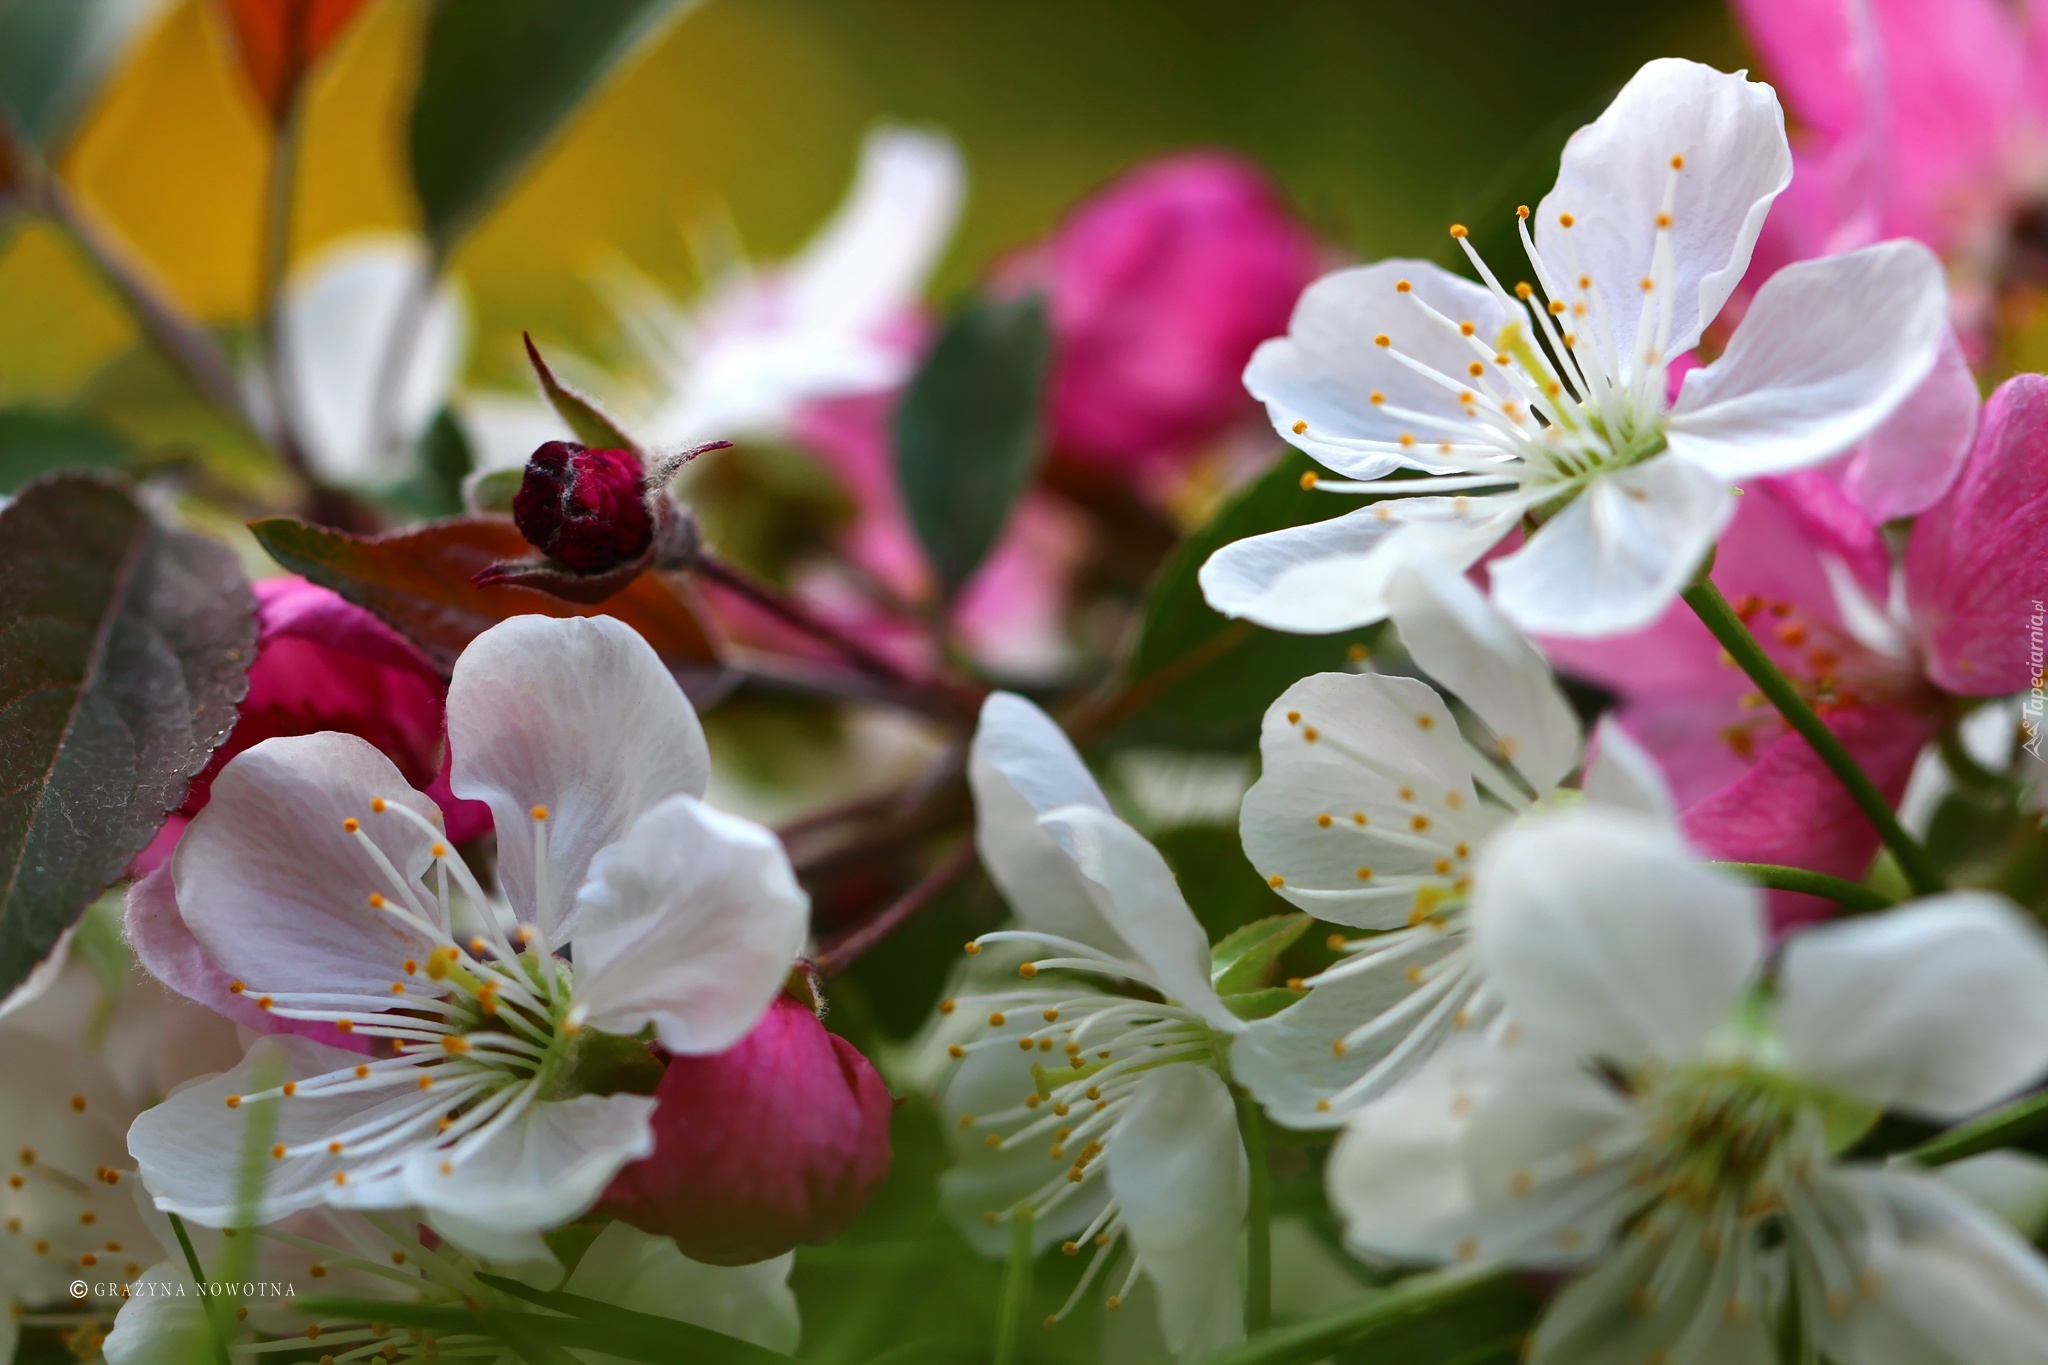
point(1236, 963)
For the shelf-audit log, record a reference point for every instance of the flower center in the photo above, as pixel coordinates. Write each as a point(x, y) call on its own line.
point(1731, 1136)
point(478, 1029)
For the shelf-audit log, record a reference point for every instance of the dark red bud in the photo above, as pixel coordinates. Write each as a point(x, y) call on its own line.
point(780, 1139)
point(584, 508)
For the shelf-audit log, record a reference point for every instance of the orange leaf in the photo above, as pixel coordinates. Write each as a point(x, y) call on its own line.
point(418, 580)
point(282, 39)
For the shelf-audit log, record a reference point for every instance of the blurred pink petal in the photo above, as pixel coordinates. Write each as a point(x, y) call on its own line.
point(1789, 809)
point(1905, 466)
point(1161, 286)
point(780, 1140)
point(1978, 562)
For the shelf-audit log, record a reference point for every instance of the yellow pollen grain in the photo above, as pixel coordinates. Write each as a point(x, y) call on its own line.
point(1406, 793)
point(539, 813)
point(955, 1051)
point(1475, 369)
point(1467, 328)
point(1663, 220)
point(1647, 284)
point(78, 1104)
point(1323, 821)
point(1454, 800)
point(1565, 220)
point(948, 1006)
point(1358, 818)
point(1468, 1249)
point(290, 1088)
point(1335, 943)
point(1442, 866)
point(351, 825)
point(340, 1178)
point(1677, 163)
point(1382, 340)
point(1365, 874)
point(1425, 722)
point(376, 901)
point(1311, 734)
point(439, 850)
point(993, 1141)
point(996, 1020)
point(971, 949)
point(1336, 1047)
point(236, 987)
point(1418, 823)
point(1458, 231)
point(1308, 481)
point(263, 1002)
point(1402, 286)
point(1520, 1183)
point(1294, 717)
point(1322, 1106)
point(1376, 398)
point(1521, 210)
point(1276, 881)
point(1557, 310)
point(234, 1101)
point(362, 1071)
point(1028, 970)
point(1524, 290)
point(426, 1082)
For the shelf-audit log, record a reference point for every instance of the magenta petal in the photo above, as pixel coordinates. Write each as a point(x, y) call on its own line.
point(1905, 466)
point(1978, 561)
point(1161, 286)
point(1791, 810)
point(779, 1140)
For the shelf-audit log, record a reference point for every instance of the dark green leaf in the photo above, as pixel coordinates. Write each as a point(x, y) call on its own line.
point(640, 1336)
point(1211, 678)
point(497, 78)
point(54, 54)
point(444, 459)
point(34, 443)
point(124, 649)
point(2003, 1127)
point(967, 431)
point(1237, 963)
point(1222, 887)
point(584, 416)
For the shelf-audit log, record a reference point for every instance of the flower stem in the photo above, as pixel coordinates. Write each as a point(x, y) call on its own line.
point(1016, 1302)
point(842, 952)
point(1258, 1218)
point(1848, 894)
point(1718, 617)
point(1492, 1312)
point(220, 1341)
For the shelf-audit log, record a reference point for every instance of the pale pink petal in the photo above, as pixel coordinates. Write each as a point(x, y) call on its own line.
point(1978, 562)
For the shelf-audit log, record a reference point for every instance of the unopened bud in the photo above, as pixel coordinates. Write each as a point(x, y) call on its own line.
point(584, 508)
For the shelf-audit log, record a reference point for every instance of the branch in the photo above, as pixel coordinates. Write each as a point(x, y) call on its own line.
point(836, 956)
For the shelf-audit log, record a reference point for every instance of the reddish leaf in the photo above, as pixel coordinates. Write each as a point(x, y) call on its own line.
point(280, 41)
point(418, 580)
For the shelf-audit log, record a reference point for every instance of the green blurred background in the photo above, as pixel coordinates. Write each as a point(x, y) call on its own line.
point(1384, 119)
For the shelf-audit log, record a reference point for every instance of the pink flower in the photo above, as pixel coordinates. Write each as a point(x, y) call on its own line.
point(323, 663)
point(585, 508)
point(1921, 118)
point(1161, 286)
point(1810, 573)
point(779, 1140)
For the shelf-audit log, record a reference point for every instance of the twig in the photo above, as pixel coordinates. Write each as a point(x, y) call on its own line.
point(836, 956)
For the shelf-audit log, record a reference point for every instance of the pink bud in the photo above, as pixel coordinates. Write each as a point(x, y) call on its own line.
point(585, 508)
point(1161, 286)
point(780, 1139)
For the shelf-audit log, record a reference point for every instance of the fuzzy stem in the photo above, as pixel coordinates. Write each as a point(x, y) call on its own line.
point(1718, 617)
point(1850, 895)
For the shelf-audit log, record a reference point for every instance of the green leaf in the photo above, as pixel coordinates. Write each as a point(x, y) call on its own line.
point(967, 431)
point(1239, 960)
point(1207, 679)
point(2002, 1127)
point(497, 78)
point(55, 54)
point(638, 1336)
point(1260, 1004)
point(493, 490)
point(124, 649)
point(584, 416)
point(1451, 1316)
point(34, 443)
point(445, 459)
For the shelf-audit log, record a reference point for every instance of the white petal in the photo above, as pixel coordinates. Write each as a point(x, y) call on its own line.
point(1940, 1007)
point(1604, 938)
point(2013, 1185)
point(1485, 663)
point(1826, 352)
point(691, 922)
point(1022, 766)
point(981, 1180)
point(542, 1169)
point(1177, 1169)
point(631, 1269)
point(1951, 1285)
point(163, 1319)
point(277, 890)
point(1443, 1169)
point(1612, 182)
point(1287, 1059)
point(341, 315)
point(576, 716)
point(1328, 816)
point(1622, 774)
point(1143, 903)
point(1599, 1318)
point(189, 1149)
point(868, 264)
point(1615, 558)
point(1323, 373)
point(1333, 575)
